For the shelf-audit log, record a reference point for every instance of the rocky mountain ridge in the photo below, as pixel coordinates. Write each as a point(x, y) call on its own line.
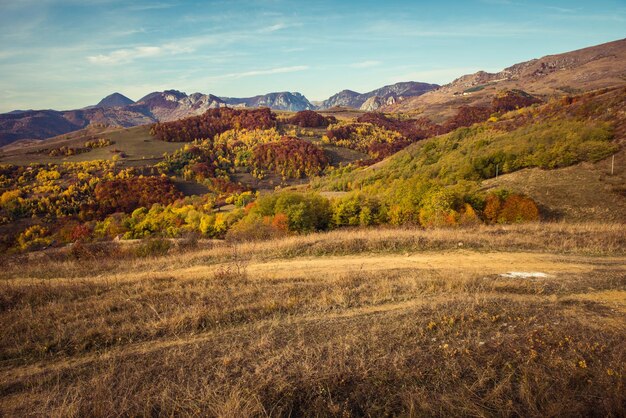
point(285, 100)
point(573, 72)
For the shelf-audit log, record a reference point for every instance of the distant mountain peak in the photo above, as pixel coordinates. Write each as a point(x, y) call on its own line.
point(284, 100)
point(115, 100)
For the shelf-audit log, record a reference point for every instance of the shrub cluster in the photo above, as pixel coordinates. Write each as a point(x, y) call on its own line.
point(67, 151)
point(412, 129)
point(289, 157)
point(512, 100)
point(432, 206)
point(510, 208)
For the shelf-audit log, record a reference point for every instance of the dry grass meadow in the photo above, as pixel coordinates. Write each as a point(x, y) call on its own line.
point(381, 322)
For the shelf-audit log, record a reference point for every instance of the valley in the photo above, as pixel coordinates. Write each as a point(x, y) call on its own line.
point(416, 250)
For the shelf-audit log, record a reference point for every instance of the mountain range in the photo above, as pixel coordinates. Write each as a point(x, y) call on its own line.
point(551, 76)
point(162, 106)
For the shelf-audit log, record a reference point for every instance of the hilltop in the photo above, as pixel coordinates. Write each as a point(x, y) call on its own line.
point(115, 100)
point(375, 99)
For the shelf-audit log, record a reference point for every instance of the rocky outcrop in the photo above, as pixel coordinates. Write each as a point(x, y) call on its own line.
point(293, 102)
point(376, 102)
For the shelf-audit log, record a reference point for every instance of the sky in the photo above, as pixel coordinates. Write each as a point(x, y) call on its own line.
point(66, 54)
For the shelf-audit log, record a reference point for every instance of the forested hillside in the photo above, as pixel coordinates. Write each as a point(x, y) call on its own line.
point(412, 172)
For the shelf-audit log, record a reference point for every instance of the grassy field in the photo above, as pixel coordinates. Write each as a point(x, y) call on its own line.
point(348, 323)
point(136, 143)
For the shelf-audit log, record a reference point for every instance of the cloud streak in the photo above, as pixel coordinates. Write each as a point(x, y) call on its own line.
point(270, 71)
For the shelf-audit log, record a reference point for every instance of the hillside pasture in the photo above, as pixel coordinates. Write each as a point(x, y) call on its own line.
point(136, 144)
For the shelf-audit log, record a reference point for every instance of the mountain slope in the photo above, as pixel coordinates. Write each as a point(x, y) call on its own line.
point(553, 75)
point(386, 95)
point(556, 153)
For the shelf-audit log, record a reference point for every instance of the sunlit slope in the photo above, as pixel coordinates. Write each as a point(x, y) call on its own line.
point(568, 145)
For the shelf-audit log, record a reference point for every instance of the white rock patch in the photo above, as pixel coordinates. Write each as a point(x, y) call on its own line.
point(524, 274)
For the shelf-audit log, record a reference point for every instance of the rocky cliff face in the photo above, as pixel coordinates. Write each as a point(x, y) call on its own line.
point(380, 97)
point(376, 102)
point(172, 104)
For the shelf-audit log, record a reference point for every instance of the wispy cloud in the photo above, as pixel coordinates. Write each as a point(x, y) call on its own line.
point(562, 9)
point(593, 17)
point(365, 64)
point(180, 45)
point(502, 2)
point(277, 70)
point(278, 26)
point(273, 28)
point(126, 55)
point(146, 7)
point(126, 32)
point(8, 54)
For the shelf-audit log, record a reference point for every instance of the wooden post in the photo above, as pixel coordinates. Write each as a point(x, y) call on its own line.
point(612, 163)
point(497, 170)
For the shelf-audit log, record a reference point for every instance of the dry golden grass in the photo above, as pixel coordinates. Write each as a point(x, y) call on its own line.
point(349, 323)
point(594, 239)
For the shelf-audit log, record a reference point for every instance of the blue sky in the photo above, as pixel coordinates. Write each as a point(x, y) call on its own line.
point(69, 54)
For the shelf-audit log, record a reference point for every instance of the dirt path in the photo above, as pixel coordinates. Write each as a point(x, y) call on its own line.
point(454, 261)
